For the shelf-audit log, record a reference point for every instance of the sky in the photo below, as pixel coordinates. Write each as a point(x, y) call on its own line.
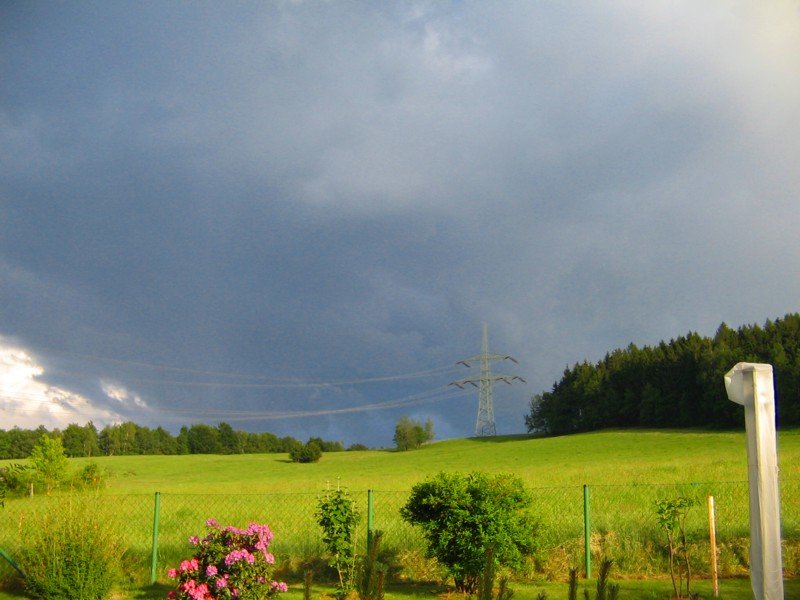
point(296, 216)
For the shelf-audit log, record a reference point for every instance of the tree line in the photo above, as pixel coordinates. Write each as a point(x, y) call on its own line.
point(128, 438)
point(674, 384)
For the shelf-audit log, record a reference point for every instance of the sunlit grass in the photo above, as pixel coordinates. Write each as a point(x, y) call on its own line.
point(626, 472)
point(607, 457)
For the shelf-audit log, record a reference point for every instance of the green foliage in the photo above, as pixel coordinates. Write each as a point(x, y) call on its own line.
point(410, 434)
point(674, 384)
point(573, 583)
point(327, 446)
point(337, 516)
point(80, 441)
point(372, 573)
point(49, 462)
point(70, 554)
point(18, 443)
point(604, 589)
point(204, 439)
point(91, 475)
point(487, 578)
point(463, 515)
point(307, 453)
point(671, 517)
point(12, 479)
point(602, 578)
point(128, 438)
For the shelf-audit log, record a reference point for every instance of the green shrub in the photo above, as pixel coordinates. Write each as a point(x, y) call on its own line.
point(463, 515)
point(671, 516)
point(337, 516)
point(70, 554)
point(91, 476)
point(307, 453)
point(371, 572)
point(13, 478)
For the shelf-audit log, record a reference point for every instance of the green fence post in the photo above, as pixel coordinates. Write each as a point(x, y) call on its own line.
point(587, 534)
point(154, 561)
point(370, 518)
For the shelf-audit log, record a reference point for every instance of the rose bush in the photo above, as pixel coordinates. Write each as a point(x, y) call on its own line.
point(229, 563)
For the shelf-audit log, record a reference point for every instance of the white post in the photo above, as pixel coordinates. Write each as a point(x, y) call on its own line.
point(750, 385)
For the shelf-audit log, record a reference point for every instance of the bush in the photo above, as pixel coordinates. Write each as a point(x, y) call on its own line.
point(91, 476)
point(228, 563)
point(337, 516)
point(357, 448)
point(464, 515)
point(70, 554)
point(13, 478)
point(308, 453)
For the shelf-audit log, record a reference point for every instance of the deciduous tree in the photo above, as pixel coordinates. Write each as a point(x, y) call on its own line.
point(462, 516)
point(49, 462)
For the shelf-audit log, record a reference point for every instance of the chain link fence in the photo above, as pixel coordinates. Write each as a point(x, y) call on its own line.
point(154, 529)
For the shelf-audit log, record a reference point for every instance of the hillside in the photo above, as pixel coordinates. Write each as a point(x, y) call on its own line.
point(606, 457)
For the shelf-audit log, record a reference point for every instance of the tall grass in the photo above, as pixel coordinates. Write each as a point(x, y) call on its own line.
point(70, 552)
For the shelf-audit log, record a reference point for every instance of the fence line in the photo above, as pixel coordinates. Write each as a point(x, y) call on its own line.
point(154, 529)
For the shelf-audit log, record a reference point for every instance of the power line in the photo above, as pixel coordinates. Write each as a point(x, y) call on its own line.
point(484, 425)
point(268, 381)
point(296, 384)
point(435, 395)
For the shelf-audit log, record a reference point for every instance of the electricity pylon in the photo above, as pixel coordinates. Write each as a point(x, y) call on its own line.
point(484, 425)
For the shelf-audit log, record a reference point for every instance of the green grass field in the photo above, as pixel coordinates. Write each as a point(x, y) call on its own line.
point(626, 471)
point(603, 458)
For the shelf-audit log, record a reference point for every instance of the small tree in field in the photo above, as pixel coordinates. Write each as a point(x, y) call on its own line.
point(410, 434)
point(671, 516)
point(337, 516)
point(49, 461)
point(464, 515)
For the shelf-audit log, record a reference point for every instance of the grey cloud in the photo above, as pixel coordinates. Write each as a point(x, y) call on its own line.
point(331, 191)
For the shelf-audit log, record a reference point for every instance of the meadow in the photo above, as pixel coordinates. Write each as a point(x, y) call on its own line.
point(626, 471)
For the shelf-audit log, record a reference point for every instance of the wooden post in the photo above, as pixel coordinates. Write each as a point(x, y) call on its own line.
point(712, 533)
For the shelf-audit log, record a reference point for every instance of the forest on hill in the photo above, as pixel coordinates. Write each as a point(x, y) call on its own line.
point(674, 384)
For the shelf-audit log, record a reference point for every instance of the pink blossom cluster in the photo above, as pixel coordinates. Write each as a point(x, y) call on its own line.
point(237, 555)
point(229, 561)
point(189, 566)
point(195, 591)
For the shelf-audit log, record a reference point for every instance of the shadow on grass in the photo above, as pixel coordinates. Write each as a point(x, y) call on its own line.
point(499, 439)
point(156, 591)
point(159, 591)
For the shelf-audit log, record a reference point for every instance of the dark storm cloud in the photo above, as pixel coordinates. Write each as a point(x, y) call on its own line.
point(319, 193)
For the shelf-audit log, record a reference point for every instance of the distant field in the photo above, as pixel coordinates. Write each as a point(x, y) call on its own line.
point(608, 457)
point(626, 471)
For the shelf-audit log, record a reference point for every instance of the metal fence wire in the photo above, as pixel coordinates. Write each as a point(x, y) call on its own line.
point(153, 530)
